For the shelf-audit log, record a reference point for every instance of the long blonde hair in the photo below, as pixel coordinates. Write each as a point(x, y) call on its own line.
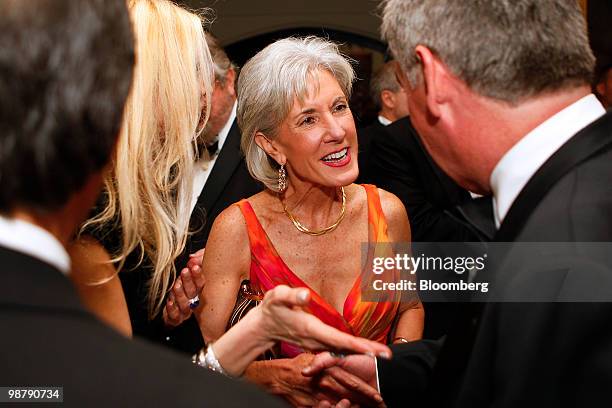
point(149, 187)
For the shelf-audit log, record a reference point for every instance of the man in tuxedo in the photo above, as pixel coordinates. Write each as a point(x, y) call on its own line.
point(221, 179)
point(66, 71)
point(505, 107)
point(390, 99)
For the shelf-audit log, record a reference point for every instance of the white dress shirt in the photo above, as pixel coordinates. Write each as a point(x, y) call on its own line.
point(203, 166)
point(384, 121)
point(32, 240)
point(524, 159)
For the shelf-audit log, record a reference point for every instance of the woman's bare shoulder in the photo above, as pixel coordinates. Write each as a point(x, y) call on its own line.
point(392, 206)
point(230, 223)
point(227, 248)
point(396, 216)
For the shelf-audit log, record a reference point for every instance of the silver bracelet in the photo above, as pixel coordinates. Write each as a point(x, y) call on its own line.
point(206, 358)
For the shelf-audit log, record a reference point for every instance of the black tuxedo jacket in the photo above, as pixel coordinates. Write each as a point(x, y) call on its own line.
point(365, 137)
point(400, 164)
point(228, 182)
point(552, 353)
point(49, 339)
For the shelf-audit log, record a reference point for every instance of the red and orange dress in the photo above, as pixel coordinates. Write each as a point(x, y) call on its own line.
point(372, 320)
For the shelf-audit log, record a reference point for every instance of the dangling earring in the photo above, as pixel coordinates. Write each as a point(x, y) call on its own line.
point(282, 179)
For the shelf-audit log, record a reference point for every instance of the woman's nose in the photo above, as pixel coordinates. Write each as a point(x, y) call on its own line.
point(335, 130)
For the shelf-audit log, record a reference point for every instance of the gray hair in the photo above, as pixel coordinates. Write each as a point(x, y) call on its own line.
point(268, 86)
point(221, 62)
point(383, 80)
point(503, 49)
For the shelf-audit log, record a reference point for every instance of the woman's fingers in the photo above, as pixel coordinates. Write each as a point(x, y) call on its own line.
point(282, 305)
point(195, 259)
point(189, 286)
point(172, 314)
point(182, 300)
point(197, 277)
point(283, 295)
point(315, 335)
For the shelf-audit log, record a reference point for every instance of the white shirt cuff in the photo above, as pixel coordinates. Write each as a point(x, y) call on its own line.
point(376, 368)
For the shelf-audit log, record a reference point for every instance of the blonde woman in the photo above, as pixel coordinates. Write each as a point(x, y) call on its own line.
point(143, 216)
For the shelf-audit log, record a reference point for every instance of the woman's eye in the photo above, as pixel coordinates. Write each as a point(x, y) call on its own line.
point(309, 120)
point(341, 107)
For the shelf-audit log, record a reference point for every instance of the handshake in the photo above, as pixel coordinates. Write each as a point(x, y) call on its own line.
point(324, 380)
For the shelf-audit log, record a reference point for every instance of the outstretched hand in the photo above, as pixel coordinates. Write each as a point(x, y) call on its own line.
point(283, 319)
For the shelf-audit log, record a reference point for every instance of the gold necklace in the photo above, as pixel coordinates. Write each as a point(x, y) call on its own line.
point(302, 228)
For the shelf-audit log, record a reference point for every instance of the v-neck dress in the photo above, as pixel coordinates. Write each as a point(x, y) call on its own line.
point(372, 320)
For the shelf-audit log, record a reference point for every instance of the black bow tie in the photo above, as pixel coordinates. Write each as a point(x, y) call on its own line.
point(213, 148)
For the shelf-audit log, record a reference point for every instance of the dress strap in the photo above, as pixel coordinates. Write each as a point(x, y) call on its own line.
point(254, 228)
point(376, 216)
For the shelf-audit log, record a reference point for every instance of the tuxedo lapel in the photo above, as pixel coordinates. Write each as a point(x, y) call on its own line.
point(586, 143)
point(478, 215)
point(225, 165)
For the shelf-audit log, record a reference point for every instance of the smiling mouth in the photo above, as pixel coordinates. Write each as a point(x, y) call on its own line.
point(336, 157)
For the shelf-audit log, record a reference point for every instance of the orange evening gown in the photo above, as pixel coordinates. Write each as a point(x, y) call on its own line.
point(372, 320)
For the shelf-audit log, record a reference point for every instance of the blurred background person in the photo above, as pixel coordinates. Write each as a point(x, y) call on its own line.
point(391, 102)
point(307, 227)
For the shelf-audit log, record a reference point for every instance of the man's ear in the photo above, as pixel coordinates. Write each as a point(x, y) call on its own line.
point(601, 89)
point(388, 99)
point(436, 79)
point(230, 81)
point(270, 148)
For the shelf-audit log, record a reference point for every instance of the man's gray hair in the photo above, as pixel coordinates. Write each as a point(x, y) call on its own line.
point(504, 49)
point(383, 80)
point(268, 86)
point(221, 62)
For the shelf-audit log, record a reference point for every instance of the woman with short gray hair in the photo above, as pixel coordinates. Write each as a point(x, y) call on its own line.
point(307, 228)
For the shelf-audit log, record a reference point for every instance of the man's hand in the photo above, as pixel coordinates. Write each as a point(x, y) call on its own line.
point(283, 377)
point(356, 374)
